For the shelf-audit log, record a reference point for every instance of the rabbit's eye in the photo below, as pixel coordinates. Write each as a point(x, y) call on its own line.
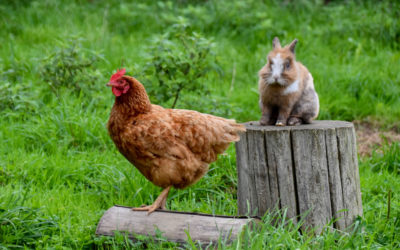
point(287, 65)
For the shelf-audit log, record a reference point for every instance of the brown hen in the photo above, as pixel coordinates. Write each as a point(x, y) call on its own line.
point(170, 147)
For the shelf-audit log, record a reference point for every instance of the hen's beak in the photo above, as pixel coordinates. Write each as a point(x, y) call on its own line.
point(110, 84)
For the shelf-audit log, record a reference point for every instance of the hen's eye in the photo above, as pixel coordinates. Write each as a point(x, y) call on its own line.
point(287, 65)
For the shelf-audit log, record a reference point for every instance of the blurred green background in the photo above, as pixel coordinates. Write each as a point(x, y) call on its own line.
point(60, 171)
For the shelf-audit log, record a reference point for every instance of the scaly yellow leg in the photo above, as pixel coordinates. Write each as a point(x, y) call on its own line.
point(158, 203)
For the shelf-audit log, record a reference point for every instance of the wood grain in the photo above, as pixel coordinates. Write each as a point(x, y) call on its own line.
point(335, 185)
point(310, 170)
point(309, 155)
point(280, 160)
point(348, 176)
point(260, 192)
point(243, 174)
point(174, 225)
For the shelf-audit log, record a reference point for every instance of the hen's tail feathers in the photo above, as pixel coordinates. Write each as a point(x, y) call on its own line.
point(231, 133)
point(234, 130)
point(222, 132)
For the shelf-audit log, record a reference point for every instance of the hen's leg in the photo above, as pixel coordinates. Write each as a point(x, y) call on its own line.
point(158, 203)
point(164, 203)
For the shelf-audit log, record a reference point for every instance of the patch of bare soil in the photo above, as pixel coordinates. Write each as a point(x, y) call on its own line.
point(370, 137)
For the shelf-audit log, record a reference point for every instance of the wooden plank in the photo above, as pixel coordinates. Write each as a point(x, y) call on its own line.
point(273, 175)
point(335, 185)
point(279, 155)
point(260, 172)
point(323, 211)
point(309, 154)
point(356, 170)
point(173, 225)
point(347, 172)
point(252, 161)
point(242, 167)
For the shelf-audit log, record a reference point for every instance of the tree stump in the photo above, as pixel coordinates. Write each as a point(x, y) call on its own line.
point(310, 170)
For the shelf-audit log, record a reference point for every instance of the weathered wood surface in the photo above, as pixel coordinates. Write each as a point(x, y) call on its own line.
point(173, 225)
point(310, 170)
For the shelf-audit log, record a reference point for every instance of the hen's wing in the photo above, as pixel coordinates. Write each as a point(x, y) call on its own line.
point(174, 147)
point(154, 137)
point(153, 144)
point(205, 135)
point(178, 133)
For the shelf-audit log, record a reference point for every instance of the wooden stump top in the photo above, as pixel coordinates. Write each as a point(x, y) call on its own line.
point(323, 124)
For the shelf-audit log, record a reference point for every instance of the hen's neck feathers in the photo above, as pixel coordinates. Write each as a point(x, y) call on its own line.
point(135, 101)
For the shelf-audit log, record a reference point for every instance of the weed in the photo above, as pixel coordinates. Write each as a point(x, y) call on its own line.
point(386, 159)
point(70, 66)
point(24, 226)
point(180, 61)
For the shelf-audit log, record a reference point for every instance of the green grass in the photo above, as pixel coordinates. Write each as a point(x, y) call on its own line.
point(59, 171)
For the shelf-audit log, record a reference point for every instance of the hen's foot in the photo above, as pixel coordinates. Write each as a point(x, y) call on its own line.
point(149, 209)
point(158, 203)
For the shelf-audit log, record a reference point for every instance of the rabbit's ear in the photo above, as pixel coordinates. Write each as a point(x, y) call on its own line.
point(275, 43)
point(292, 45)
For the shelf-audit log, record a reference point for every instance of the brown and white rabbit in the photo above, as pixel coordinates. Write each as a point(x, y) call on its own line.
point(287, 94)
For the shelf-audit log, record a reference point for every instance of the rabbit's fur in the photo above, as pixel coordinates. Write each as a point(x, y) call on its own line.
point(287, 94)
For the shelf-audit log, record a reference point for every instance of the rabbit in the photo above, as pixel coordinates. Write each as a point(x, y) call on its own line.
point(287, 93)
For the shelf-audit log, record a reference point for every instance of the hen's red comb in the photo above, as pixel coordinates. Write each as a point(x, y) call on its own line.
point(118, 75)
